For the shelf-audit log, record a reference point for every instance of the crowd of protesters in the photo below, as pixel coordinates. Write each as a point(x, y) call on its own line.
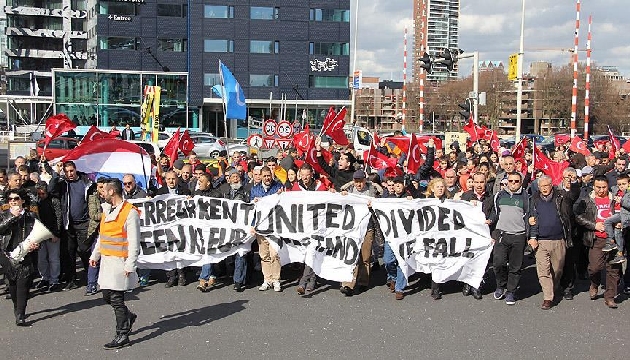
point(575, 229)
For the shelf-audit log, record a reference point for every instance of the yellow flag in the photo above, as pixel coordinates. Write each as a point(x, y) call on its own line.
point(281, 174)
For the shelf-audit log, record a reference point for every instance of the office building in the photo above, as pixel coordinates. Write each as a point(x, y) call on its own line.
point(298, 51)
point(436, 28)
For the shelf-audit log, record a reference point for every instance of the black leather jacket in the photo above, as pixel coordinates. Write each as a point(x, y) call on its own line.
point(13, 230)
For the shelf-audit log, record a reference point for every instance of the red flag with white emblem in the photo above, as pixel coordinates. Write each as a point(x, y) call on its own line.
point(172, 147)
point(579, 146)
point(186, 145)
point(94, 133)
point(519, 149)
point(549, 167)
point(311, 158)
point(414, 157)
point(334, 127)
point(57, 125)
point(302, 140)
point(377, 160)
point(615, 144)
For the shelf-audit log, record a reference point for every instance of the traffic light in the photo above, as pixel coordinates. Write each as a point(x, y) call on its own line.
point(425, 63)
point(446, 59)
point(465, 112)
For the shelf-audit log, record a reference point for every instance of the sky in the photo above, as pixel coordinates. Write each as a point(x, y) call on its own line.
point(492, 27)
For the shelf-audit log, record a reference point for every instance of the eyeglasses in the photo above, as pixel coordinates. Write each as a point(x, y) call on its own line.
point(514, 181)
point(128, 183)
point(16, 198)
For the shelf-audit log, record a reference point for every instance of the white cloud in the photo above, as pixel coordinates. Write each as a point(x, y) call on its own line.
point(493, 28)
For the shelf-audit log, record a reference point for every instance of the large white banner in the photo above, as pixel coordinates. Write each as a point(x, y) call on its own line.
point(449, 239)
point(322, 229)
point(177, 231)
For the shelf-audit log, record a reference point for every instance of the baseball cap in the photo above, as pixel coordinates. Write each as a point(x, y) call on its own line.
point(587, 170)
point(359, 174)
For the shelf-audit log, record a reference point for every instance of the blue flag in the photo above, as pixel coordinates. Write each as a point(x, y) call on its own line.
point(234, 97)
point(218, 90)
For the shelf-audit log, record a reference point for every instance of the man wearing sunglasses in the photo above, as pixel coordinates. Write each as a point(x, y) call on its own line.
point(131, 189)
point(511, 206)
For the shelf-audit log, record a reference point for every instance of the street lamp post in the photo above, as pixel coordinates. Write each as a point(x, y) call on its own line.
point(519, 77)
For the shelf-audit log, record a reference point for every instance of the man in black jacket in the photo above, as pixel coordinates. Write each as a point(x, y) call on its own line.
point(340, 175)
point(590, 213)
point(72, 189)
point(550, 232)
point(175, 188)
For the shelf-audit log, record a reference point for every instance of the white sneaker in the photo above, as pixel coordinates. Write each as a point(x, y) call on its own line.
point(276, 286)
point(265, 286)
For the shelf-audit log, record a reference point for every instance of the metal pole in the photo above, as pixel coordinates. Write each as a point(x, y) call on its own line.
point(476, 86)
point(574, 92)
point(519, 77)
point(354, 58)
point(587, 86)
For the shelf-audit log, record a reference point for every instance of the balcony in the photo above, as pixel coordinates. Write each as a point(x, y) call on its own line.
point(45, 54)
point(52, 10)
point(46, 33)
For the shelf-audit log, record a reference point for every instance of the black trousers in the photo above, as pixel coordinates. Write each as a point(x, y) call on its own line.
point(569, 273)
point(18, 289)
point(508, 249)
point(116, 299)
point(74, 241)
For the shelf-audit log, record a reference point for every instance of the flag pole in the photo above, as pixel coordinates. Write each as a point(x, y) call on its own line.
point(223, 100)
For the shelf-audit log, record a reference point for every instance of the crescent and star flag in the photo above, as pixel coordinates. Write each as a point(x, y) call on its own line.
point(333, 126)
point(378, 161)
point(302, 140)
point(579, 146)
point(186, 145)
point(57, 125)
point(112, 158)
point(561, 139)
point(95, 133)
point(549, 167)
point(472, 129)
point(172, 147)
point(520, 149)
point(414, 156)
point(234, 98)
point(311, 157)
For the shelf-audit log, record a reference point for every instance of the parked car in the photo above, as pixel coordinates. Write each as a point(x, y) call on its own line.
point(207, 145)
point(149, 147)
point(163, 138)
point(240, 146)
point(57, 147)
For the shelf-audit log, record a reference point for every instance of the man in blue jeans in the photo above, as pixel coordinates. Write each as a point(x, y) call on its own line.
point(396, 280)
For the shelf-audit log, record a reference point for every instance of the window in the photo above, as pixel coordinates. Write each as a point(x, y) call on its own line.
point(118, 43)
point(175, 45)
point(211, 79)
point(328, 82)
point(330, 15)
point(218, 12)
point(264, 47)
point(220, 46)
point(171, 10)
point(116, 8)
point(329, 49)
point(263, 80)
point(264, 13)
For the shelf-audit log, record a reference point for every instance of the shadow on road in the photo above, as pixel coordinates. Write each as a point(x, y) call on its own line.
point(184, 319)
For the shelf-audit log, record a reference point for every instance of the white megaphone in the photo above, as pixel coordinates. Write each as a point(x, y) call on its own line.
point(39, 234)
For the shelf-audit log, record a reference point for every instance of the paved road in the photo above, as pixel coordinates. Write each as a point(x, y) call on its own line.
point(181, 323)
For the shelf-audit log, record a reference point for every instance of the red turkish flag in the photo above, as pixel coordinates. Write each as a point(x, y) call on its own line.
point(302, 140)
point(379, 161)
point(472, 129)
point(334, 127)
point(376, 140)
point(561, 139)
point(57, 125)
point(549, 167)
point(172, 147)
point(94, 133)
point(579, 146)
point(311, 158)
point(519, 149)
point(494, 140)
point(423, 140)
point(414, 156)
point(186, 145)
point(626, 147)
